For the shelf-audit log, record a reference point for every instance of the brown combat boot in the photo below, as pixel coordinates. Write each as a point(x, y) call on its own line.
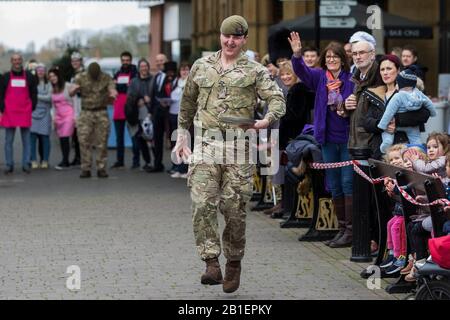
point(232, 276)
point(339, 209)
point(213, 274)
point(85, 174)
point(346, 239)
point(273, 209)
point(102, 174)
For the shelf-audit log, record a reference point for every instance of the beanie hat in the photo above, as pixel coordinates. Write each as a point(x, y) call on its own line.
point(406, 78)
point(363, 36)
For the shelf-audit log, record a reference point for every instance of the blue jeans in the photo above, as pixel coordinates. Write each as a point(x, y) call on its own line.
point(413, 134)
point(340, 180)
point(9, 149)
point(119, 126)
point(140, 146)
point(44, 142)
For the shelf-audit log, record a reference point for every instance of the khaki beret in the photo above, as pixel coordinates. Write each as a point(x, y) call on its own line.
point(234, 25)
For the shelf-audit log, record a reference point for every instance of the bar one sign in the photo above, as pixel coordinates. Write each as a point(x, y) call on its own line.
point(408, 33)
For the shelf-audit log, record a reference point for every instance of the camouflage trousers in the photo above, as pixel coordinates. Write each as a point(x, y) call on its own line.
point(220, 187)
point(93, 131)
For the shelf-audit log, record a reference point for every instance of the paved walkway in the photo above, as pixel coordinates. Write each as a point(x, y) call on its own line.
point(132, 238)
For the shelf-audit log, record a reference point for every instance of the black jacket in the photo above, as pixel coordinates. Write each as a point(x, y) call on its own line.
point(374, 114)
point(299, 103)
point(32, 88)
point(158, 93)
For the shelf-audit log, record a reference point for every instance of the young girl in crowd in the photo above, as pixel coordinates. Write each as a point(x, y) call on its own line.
point(416, 149)
point(417, 236)
point(437, 148)
point(420, 229)
point(396, 232)
point(64, 116)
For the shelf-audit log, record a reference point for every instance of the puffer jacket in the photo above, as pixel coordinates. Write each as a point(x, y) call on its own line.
point(303, 146)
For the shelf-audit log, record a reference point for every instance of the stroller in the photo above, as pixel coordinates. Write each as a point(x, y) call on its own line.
point(433, 281)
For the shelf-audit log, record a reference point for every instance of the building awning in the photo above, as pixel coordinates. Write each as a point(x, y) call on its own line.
point(395, 27)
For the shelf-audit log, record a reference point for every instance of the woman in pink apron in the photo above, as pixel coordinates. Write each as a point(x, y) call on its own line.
point(64, 115)
point(19, 98)
point(122, 78)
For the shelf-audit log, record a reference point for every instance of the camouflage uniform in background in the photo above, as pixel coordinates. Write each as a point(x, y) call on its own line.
point(93, 123)
point(210, 93)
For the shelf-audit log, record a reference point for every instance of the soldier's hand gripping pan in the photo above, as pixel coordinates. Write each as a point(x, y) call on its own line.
point(237, 120)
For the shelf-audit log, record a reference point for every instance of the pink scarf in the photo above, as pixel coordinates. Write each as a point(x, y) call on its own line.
point(333, 84)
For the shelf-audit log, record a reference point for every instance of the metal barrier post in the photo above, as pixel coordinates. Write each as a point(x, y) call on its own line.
point(362, 198)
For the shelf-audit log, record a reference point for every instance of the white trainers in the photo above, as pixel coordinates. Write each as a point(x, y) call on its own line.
point(34, 165)
point(175, 175)
point(183, 176)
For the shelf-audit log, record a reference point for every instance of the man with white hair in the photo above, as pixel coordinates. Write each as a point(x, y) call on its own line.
point(368, 82)
point(367, 76)
point(363, 52)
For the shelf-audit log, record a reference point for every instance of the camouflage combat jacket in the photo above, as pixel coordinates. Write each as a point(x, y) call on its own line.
point(211, 92)
point(94, 94)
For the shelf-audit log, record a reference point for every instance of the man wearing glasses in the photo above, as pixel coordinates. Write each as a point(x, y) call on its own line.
point(366, 76)
point(368, 82)
point(363, 53)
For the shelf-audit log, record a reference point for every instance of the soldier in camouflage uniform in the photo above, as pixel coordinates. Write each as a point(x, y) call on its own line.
point(97, 90)
point(226, 83)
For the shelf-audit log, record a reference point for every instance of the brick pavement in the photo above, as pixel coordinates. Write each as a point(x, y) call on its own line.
point(131, 236)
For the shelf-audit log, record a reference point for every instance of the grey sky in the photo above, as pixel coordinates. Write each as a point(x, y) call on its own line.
point(23, 22)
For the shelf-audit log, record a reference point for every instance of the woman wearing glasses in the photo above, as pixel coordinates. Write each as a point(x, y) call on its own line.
point(332, 85)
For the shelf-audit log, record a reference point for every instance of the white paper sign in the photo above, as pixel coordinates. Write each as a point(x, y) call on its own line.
point(334, 11)
point(123, 80)
point(326, 22)
point(18, 83)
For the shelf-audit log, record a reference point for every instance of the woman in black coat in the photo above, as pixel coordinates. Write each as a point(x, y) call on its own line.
point(379, 97)
point(299, 103)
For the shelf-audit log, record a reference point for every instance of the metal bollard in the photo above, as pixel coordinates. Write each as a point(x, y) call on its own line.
point(362, 199)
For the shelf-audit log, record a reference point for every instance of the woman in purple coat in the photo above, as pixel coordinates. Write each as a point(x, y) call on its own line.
point(332, 85)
